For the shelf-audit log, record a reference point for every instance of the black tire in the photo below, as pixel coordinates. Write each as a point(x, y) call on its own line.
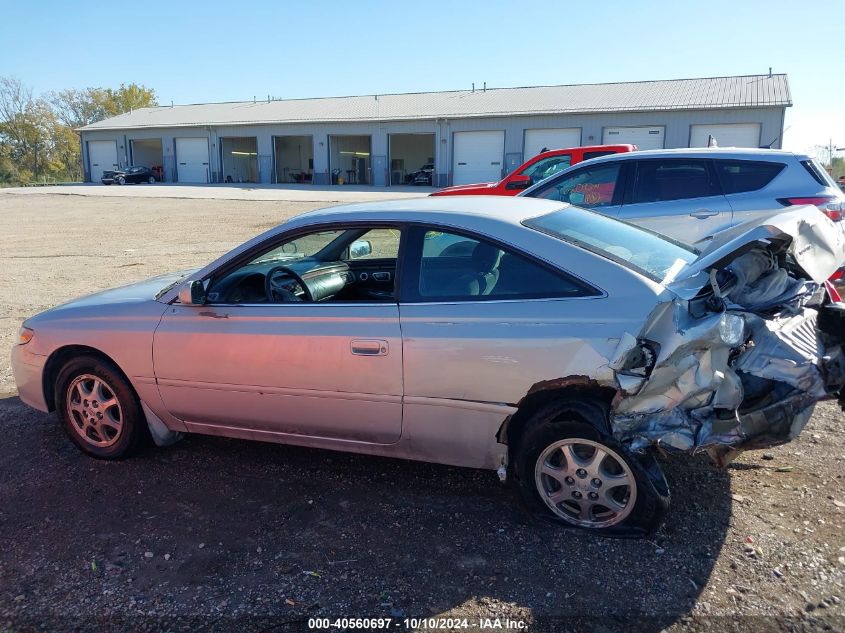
point(151, 180)
point(133, 433)
point(568, 422)
point(121, 180)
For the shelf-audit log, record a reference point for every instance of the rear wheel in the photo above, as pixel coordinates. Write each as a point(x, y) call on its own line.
point(98, 409)
point(121, 180)
point(151, 180)
point(572, 472)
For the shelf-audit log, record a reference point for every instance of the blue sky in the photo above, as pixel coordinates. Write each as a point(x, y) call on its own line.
point(191, 51)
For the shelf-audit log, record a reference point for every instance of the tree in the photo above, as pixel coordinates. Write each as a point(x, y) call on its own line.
point(37, 136)
point(77, 108)
point(126, 99)
point(25, 127)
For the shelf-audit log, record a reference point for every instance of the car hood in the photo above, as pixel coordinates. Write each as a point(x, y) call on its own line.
point(816, 244)
point(146, 290)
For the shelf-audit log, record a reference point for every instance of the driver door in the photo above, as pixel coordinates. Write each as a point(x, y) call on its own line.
point(327, 369)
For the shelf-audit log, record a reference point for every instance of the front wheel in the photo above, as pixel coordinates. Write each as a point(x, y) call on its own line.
point(98, 409)
point(574, 475)
point(151, 180)
point(121, 180)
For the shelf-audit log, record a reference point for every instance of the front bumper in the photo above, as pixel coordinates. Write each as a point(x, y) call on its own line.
point(28, 370)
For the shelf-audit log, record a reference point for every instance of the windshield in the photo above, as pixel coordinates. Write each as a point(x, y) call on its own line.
point(656, 256)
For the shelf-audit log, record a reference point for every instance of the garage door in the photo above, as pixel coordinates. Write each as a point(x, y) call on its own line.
point(727, 135)
point(478, 157)
point(192, 160)
point(642, 137)
point(559, 138)
point(102, 156)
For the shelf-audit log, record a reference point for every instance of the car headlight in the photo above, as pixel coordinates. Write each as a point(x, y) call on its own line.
point(25, 335)
point(731, 329)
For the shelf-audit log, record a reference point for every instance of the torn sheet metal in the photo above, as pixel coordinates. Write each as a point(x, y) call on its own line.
point(745, 370)
point(813, 241)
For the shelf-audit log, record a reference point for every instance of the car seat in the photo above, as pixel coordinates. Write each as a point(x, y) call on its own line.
point(484, 274)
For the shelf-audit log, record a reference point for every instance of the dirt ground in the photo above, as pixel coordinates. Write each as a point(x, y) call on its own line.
point(216, 534)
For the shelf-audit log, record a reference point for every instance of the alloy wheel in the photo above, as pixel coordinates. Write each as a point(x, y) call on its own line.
point(94, 410)
point(585, 483)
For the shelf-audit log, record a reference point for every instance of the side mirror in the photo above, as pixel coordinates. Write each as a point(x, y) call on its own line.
point(519, 181)
point(360, 248)
point(192, 293)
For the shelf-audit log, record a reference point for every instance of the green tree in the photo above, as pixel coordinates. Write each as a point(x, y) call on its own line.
point(26, 128)
point(77, 108)
point(38, 136)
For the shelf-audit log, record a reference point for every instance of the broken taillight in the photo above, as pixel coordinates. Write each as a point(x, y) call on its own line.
point(832, 207)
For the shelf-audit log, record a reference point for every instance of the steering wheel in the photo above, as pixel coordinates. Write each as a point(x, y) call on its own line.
point(273, 291)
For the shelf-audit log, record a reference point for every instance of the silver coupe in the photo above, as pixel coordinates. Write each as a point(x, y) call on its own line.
point(557, 346)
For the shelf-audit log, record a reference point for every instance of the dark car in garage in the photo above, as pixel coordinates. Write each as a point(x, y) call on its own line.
point(135, 174)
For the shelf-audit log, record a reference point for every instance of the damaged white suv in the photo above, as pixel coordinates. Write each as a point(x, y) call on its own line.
point(544, 341)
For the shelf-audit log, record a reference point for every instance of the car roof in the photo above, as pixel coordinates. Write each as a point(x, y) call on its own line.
point(507, 209)
point(703, 152)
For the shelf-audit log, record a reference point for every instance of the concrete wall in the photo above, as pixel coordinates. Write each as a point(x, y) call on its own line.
point(677, 125)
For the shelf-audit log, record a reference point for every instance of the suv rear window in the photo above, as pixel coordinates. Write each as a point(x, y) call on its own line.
point(650, 254)
point(819, 173)
point(739, 176)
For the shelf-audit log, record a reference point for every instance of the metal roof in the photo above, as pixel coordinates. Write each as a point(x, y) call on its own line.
point(748, 91)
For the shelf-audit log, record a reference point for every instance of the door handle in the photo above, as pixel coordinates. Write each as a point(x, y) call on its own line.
point(703, 213)
point(370, 347)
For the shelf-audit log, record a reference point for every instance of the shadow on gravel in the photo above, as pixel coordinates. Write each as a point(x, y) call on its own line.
point(292, 533)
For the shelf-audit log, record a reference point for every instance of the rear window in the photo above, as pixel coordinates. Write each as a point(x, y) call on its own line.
point(739, 176)
point(819, 173)
point(650, 254)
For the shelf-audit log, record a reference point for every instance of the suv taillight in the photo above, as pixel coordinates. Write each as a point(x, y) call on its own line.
point(830, 206)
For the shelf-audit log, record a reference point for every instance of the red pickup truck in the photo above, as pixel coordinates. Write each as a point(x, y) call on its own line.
point(534, 170)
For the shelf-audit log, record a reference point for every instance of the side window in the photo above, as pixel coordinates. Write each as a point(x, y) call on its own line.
point(738, 176)
point(591, 187)
point(542, 169)
point(596, 154)
point(675, 179)
point(459, 268)
point(321, 266)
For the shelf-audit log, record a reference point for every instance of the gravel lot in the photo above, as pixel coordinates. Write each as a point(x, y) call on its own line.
point(216, 534)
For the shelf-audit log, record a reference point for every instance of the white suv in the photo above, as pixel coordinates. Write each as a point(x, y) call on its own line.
point(691, 194)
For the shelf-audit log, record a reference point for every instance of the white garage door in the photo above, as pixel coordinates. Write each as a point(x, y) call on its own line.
point(478, 157)
point(727, 135)
point(192, 159)
point(102, 156)
point(642, 137)
point(558, 138)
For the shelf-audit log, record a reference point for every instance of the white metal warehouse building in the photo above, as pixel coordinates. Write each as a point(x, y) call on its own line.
point(468, 136)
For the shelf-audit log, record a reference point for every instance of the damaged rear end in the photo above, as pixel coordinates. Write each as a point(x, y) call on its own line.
point(745, 343)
